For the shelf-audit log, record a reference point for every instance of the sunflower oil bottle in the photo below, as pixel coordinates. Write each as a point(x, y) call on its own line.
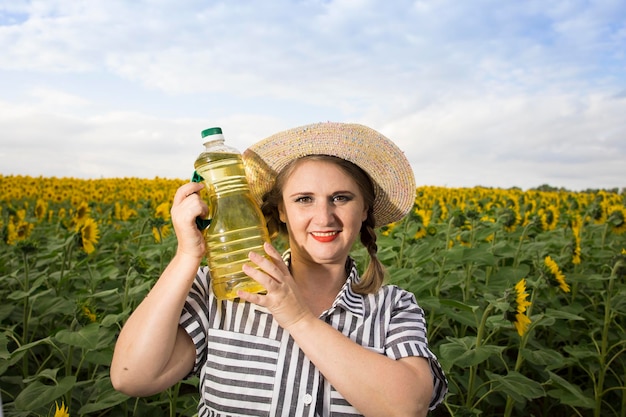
point(236, 223)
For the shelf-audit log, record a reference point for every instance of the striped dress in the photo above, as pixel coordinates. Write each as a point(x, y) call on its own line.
point(249, 366)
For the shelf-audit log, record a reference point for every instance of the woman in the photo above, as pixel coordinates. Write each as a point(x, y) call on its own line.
point(322, 341)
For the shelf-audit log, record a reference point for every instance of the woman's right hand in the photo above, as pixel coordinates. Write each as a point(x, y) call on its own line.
point(188, 205)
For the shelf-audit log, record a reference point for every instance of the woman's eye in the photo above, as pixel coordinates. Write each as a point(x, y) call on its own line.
point(303, 199)
point(341, 198)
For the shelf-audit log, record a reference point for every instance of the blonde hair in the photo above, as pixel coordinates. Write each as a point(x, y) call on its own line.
point(374, 275)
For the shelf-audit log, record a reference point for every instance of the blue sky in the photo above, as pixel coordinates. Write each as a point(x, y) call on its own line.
point(492, 93)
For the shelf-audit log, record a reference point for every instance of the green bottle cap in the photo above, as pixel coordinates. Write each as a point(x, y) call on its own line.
point(212, 131)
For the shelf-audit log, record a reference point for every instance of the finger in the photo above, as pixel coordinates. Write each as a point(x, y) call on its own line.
point(269, 266)
point(271, 250)
point(254, 298)
point(263, 278)
point(276, 257)
point(186, 190)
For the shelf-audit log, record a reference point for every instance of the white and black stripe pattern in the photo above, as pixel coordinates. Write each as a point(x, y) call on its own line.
point(250, 366)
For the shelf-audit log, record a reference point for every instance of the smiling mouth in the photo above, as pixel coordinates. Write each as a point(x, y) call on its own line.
point(324, 233)
point(324, 236)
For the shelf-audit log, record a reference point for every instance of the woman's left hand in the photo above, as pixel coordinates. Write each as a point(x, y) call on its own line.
point(283, 299)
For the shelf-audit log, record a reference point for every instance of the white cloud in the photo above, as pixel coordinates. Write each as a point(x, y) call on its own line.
point(517, 141)
point(491, 93)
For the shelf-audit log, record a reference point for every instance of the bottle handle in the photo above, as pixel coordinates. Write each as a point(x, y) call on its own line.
point(201, 223)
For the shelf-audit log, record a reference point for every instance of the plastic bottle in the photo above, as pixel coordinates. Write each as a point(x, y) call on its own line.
point(237, 225)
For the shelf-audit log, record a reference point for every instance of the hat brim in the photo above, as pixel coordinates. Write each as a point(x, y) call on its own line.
point(379, 157)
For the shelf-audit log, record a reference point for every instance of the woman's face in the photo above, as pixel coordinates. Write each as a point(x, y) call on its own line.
point(323, 209)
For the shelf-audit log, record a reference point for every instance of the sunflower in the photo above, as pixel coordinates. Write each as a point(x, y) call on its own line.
point(163, 211)
point(555, 276)
point(509, 218)
point(549, 217)
point(82, 213)
point(617, 219)
point(41, 208)
point(465, 238)
point(88, 234)
point(597, 213)
point(160, 222)
point(24, 229)
point(89, 314)
point(387, 229)
point(17, 230)
point(62, 411)
point(577, 250)
point(520, 304)
point(123, 212)
point(20, 215)
point(423, 218)
point(521, 323)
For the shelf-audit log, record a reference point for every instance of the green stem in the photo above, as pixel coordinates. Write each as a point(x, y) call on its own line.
point(440, 274)
point(574, 286)
point(141, 233)
point(473, 369)
point(67, 259)
point(126, 289)
point(135, 406)
point(604, 233)
point(468, 281)
point(519, 246)
point(508, 409)
point(70, 354)
point(25, 288)
point(400, 259)
point(443, 258)
point(26, 311)
point(604, 343)
point(623, 411)
point(173, 399)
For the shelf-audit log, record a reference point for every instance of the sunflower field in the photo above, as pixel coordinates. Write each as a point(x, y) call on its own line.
point(523, 292)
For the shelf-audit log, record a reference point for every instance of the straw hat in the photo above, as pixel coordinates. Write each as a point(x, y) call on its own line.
point(384, 162)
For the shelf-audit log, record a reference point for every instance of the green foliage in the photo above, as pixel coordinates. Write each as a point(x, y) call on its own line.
point(62, 312)
point(63, 308)
point(570, 361)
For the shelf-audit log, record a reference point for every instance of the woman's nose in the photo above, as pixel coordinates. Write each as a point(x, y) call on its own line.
point(324, 213)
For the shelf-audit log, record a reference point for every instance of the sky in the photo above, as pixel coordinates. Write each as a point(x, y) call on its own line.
point(494, 93)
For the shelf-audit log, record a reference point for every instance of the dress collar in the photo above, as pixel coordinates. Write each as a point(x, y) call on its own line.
point(346, 298)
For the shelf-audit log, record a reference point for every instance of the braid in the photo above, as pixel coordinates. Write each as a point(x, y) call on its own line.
point(374, 274)
point(269, 208)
